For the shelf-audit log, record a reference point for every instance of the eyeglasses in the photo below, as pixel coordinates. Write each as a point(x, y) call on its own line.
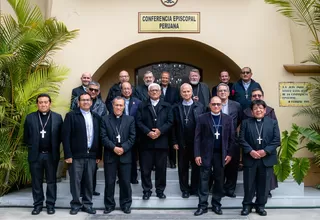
point(215, 104)
point(245, 72)
point(92, 89)
point(257, 95)
point(85, 100)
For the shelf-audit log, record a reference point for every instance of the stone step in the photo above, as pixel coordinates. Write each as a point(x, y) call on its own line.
point(172, 174)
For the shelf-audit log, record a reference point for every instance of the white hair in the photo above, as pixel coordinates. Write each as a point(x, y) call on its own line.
point(154, 85)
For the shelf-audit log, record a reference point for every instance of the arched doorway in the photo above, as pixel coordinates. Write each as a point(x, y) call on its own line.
point(169, 49)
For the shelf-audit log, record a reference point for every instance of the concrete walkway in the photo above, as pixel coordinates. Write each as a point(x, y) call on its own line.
point(63, 214)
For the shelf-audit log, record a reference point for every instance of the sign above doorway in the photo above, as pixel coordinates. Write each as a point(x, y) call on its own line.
point(169, 3)
point(163, 22)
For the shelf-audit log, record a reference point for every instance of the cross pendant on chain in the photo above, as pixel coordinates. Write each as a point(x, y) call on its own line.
point(217, 134)
point(42, 133)
point(259, 139)
point(186, 120)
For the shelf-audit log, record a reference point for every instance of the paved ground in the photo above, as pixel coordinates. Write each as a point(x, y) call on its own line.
point(63, 214)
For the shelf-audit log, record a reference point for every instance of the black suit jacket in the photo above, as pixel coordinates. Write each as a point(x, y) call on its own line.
point(109, 140)
point(235, 112)
point(178, 122)
point(145, 122)
point(32, 135)
point(74, 136)
point(204, 138)
point(270, 141)
point(77, 92)
point(172, 95)
point(141, 93)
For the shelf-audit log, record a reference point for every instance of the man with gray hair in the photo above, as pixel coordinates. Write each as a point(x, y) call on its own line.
point(201, 92)
point(154, 119)
point(142, 90)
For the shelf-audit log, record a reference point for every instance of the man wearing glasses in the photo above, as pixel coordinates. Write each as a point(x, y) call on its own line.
point(213, 146)
point(115, 90)
point(242, 89)
point(258, 94)
point(154, 119)
point(82, 151)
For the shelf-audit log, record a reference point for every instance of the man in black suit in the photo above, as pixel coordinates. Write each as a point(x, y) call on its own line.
point(233, 109)
point(224, 78)
point(213, 145)
point(258, 94)
point(142, 90)
point(185, 116)
point(201, 92)
point(42, 135)
point(115, 90)
point(259, 138)
point(154, 119)
point(82, 151)
point(117, 134)
point(85, 79)
point(170, 95)
point(131, 108)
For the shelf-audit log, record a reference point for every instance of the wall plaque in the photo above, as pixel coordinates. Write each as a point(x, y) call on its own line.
point(163, 22)
point(294, 94)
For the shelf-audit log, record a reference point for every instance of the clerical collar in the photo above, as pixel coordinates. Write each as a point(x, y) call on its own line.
point(84, 112)
point(44, 113)
point(187, 103)
point(117, 116)
point(259, 119)
point(215, 114)
point(154, 102)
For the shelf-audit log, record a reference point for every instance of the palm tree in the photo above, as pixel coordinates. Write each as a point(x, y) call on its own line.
point(305, 13)
point(27, 45)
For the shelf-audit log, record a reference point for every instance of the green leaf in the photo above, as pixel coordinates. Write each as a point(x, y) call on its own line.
point(309, 133)
point(289, 144)
point(282, 170)
point(300, 168)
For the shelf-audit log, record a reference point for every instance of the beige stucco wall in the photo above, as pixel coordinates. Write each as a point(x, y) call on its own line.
point(250, 32)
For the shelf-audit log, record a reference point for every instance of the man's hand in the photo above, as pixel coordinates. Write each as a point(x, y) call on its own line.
point(97, 160)
point(68, 160)
point(176, 147)
point(198, 161)
point(157, 131)
point(195, 98)
point(227, 160)
point(255, 154)
point(262, 153)
point(152, 135)
point(118, 150)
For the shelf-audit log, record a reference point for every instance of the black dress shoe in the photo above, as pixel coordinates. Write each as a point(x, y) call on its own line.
point(161, 195)
point(126, 210)
point(74, 211)
point(200, 211)
point(135, 182)
point(36, 211)
point(108, 210)
point(50, 210)
point(117, 181)
point(96, 193)
point(261, 211)
point(231, 195)
point(185, 195)
point(246, 210)
point(217, 210)
point(270, 195)
point(89, 210)
point(146, 196)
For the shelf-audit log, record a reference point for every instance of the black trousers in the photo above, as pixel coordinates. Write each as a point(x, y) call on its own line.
point(186, 156)
point(231, 172)
point(81, 169)
point(124, 174)
point(256, 181)
point(148, 159)
point(172, 153)
point(134, 168)
point(44, 165)
point(218, 177)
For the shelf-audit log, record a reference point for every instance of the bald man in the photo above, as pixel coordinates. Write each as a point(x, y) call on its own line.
point(85, 80)
point(115, 90)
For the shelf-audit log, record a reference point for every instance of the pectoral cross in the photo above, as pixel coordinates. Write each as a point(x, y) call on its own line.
point(246, 96)
point(42, 133)
point(259, 139)
point(119, 138)
point(217, 134)
point(186, 120)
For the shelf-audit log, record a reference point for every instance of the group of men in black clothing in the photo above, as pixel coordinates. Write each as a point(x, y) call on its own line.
point(150, 123)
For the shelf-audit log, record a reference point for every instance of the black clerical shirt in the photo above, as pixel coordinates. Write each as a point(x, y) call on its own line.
point(217, 142)
point(45, 143)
